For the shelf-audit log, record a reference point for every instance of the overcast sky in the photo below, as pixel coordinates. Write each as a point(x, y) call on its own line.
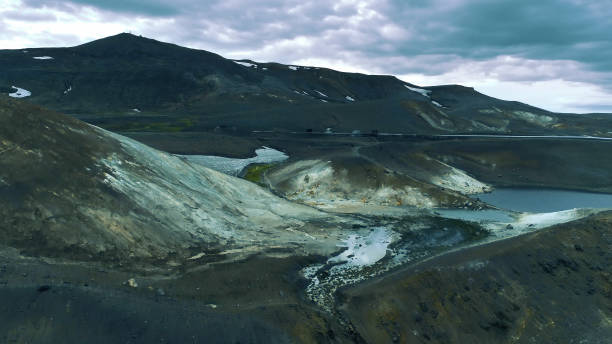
point(555, 54)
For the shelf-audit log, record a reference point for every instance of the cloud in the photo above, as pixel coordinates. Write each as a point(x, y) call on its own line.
point(149, 7)
point(543, 43)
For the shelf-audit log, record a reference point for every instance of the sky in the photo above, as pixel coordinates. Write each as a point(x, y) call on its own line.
point(554, 54)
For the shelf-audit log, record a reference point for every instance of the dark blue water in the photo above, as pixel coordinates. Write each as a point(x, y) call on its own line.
point(545, 200)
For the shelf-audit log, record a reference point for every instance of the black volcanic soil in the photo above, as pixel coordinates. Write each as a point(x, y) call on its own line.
point(548, 163)
point(233, 146)
point(553, 286)
point(254, 301)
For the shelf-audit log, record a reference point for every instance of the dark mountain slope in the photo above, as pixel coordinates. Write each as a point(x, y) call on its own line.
point(116, 74)
point(552, 286)
point(123, 77)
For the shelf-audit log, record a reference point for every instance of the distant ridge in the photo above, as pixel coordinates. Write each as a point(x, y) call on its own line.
point(196, 90)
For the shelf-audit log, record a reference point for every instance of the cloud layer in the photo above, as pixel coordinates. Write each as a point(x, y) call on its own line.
point(556, 54)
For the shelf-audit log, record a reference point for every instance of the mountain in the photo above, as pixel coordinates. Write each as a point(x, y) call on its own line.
point(348, 240)
point(128, 83)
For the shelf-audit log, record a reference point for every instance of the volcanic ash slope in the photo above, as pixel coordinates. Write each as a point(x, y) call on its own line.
point(71, 190)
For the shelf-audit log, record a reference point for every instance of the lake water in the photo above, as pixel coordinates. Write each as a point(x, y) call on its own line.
point(544, 200)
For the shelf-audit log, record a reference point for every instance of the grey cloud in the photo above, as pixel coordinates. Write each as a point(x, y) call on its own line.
point(393, 36)
point(595, 108)
point(143, 7)
point(543, 29)
point(29, 16)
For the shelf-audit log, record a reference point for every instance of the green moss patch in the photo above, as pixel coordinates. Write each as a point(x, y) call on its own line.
point(254, 173)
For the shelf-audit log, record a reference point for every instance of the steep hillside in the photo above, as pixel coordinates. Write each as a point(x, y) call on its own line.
point(72, 190)
point(553, 286)
point(131, 83)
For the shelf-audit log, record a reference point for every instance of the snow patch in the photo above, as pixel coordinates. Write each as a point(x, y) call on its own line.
point(136, 110)
point(233, 166)
point(437, 104)
point(541, 220)
point(293, 67)
point(422, 91)
point(528, 222)
point(197, 256)
point(20, 93)
point(42, 58)
point(349, 98)
point(68, 90)
point(364, 250)
point(350, 266)
point(246, 64)
point(321, 93)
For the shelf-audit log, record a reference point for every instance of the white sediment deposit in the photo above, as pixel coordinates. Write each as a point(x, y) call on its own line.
point(193, 204)
point(457, 180)
point(318, 183)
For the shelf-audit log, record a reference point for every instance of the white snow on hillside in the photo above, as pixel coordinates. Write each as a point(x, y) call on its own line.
point(529, 222)
point(437, 104)
point(42, 58)
point(68, 90)
point(365, 250)
point(293, 67)
point(246, 64)
point(422, 91)
point(321, 93)
point(349, 98)
point(20, 93)
point(233, 166)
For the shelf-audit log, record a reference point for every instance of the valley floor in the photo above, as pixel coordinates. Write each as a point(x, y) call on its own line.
point(554, 285)
point(331, 239)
